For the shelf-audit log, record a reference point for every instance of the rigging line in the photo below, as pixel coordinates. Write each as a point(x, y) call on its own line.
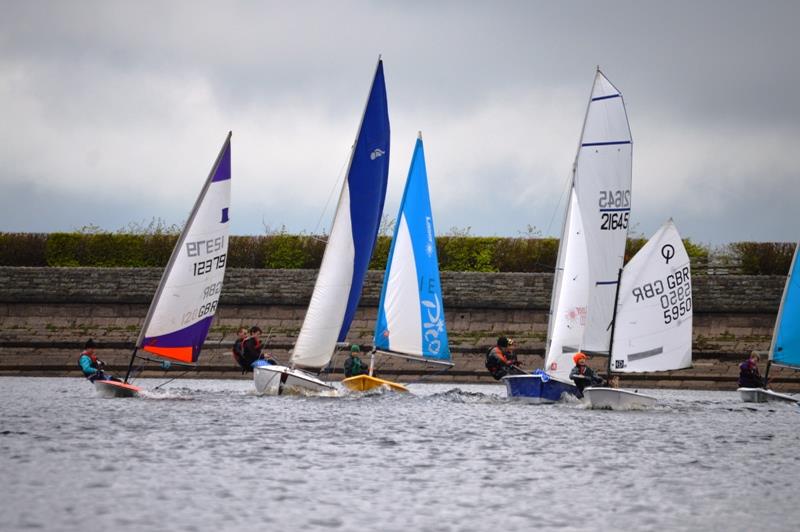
point(173, 378)
point(556, 209)
point(328, 201)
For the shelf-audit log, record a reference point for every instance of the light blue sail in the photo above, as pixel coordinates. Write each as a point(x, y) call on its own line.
point(786, 347)
point(411, 311)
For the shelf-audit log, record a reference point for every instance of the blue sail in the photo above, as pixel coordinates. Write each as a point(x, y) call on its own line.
point(366, 181)
point(352, 238)
point(786, 344)
point(411, 311)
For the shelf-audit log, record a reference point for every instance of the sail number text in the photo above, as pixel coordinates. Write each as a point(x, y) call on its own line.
point(207, 266)
point(614, 199)
point(674, 294)
point(615, 206)
point(200, 312)
point(612, 221)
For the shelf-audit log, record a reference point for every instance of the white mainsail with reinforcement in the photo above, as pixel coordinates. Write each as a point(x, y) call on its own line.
point(602, 183)
point(653, 323)
point(592, 245)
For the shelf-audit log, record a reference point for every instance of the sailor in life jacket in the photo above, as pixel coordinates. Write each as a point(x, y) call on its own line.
point(500, 359)
point(91, 366)
point(582, 375)
point(353, 366)
point(252, 348)
point(238, 348)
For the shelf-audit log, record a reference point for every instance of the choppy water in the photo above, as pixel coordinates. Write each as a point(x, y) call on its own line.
point(208, 455)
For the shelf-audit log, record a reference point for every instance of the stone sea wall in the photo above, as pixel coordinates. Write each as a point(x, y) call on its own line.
point(47, 313)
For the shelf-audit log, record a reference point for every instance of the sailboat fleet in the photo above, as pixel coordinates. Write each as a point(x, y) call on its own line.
point(638, 316)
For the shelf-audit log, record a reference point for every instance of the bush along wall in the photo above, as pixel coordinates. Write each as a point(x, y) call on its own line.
point(287, 251)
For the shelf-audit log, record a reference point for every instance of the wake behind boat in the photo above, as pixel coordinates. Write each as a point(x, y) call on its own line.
point(591, 249)
point(347, 254)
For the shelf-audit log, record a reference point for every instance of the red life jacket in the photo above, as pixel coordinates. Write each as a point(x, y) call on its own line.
point(92, 357)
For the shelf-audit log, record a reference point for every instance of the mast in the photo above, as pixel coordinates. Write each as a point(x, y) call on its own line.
point(613, 326)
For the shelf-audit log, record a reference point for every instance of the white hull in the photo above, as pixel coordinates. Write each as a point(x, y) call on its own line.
point(280, 380)
point(760, 395)
point(615, 399)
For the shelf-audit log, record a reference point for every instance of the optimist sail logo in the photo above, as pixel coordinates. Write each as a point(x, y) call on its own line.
point(377, 152)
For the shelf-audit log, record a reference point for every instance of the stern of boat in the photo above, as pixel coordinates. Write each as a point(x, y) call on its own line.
point(616, 399)
point(537, 389)
point(280, 380)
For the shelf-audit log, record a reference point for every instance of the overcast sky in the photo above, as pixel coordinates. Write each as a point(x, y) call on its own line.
point(113, 112)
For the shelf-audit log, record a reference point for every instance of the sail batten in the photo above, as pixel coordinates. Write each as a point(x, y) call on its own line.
point(411, 310)
point(186, 299)
point(353, 235)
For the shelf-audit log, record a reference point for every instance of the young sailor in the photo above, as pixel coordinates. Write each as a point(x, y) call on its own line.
point(238, 348)
point(252, 348)
point(501, 360)
point(353, 365)
point(91, 366)
point(749, 377)
point(583, 375)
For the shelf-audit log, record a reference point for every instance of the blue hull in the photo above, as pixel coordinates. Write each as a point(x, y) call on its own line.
point(533, 389)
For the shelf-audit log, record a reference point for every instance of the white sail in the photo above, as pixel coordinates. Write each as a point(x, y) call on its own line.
point(323, 321)
point(570, 295)
point(653, 329)
point(603, 184)
point(186, 300)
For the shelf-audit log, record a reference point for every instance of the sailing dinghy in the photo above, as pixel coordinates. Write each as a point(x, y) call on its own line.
point(346, 259)
point(410, 321)
point(186, 300)
point(785, 347)
point(591, 249)
point(652, 322)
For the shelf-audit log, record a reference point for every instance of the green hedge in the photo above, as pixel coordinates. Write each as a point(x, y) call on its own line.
point(763, 258)
point(282, 250)
point(23, 249)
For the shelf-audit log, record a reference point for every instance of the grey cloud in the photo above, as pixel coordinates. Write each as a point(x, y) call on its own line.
point(110, 100)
